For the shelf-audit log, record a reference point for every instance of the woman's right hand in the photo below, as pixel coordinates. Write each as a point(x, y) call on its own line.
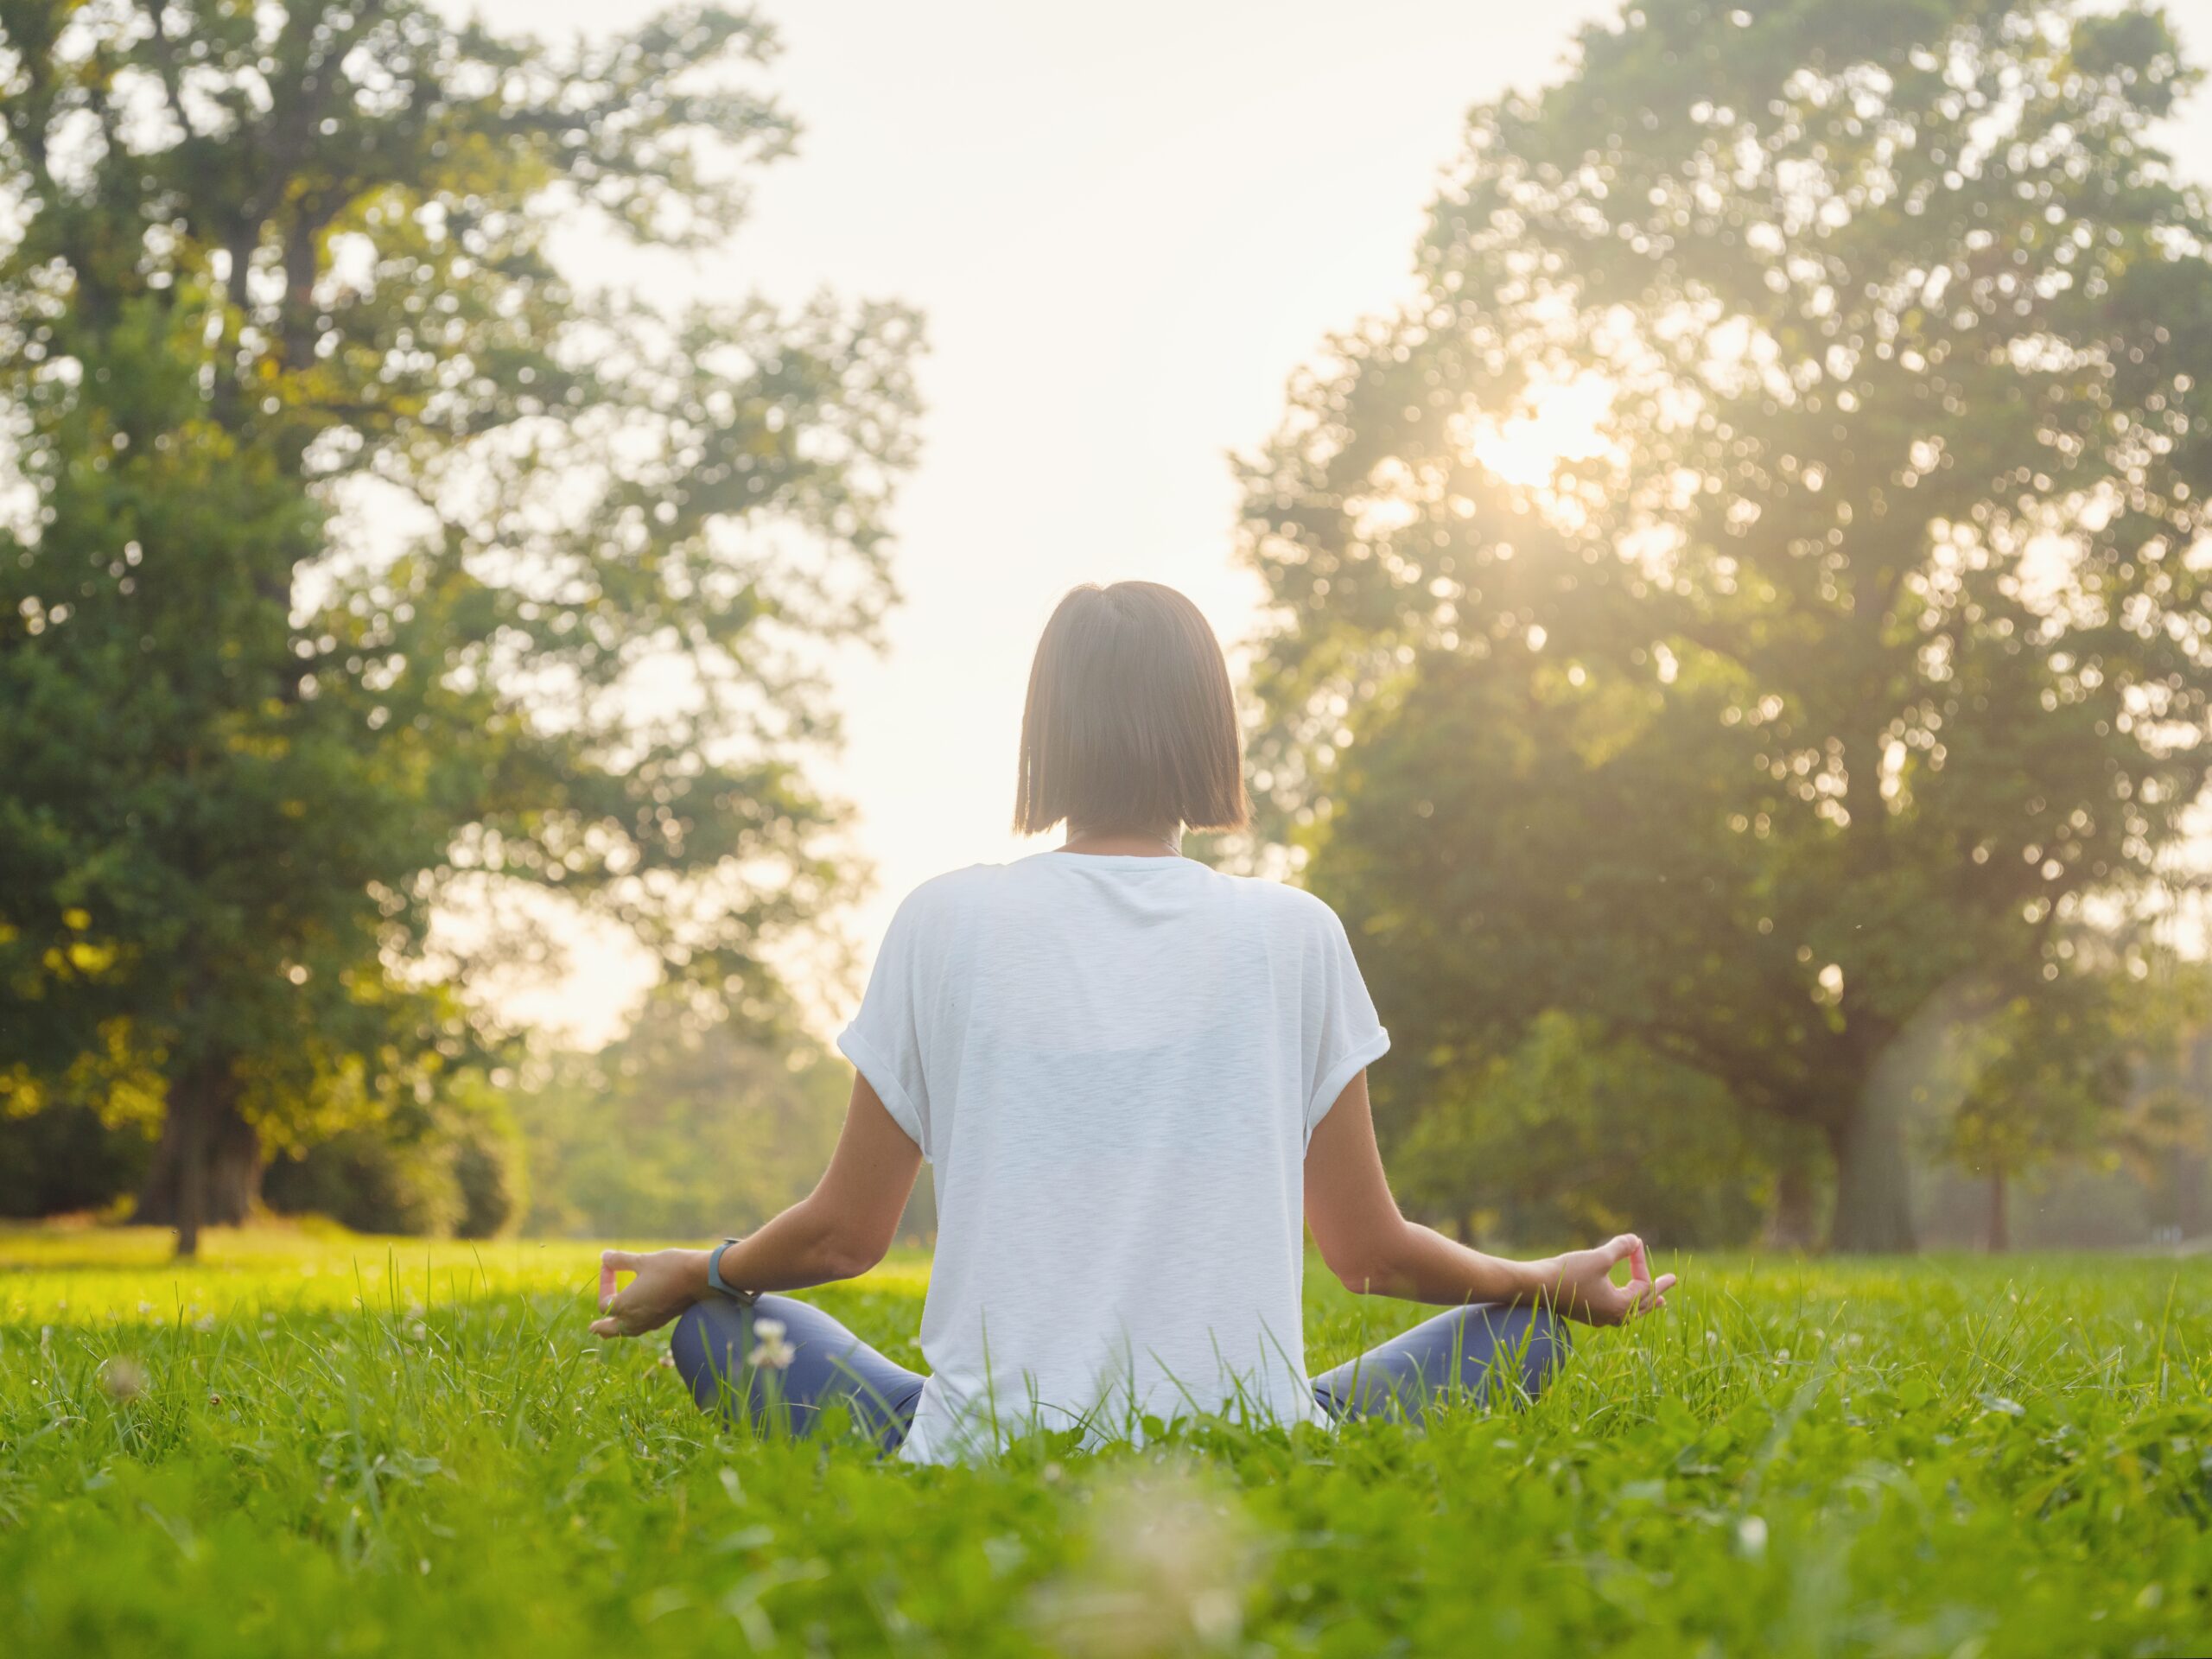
point(667, 1282)
point(1579, 1284)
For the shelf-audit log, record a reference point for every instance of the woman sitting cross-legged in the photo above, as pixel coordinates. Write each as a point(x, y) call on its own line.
point(1140, 1081)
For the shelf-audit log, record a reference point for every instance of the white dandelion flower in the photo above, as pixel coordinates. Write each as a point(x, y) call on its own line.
point(770, 1350)
point(123, 1378)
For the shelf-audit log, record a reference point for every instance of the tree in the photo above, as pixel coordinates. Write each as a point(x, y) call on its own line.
point(365, 561)
point(688, 1125)
point(1572, 1136)
point(2046, 1077)
point(2096, 1069)
point(1765, 554)
point(2161, 1132)
point(453, 1166)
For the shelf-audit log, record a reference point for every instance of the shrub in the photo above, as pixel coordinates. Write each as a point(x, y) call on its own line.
point(64, 1158)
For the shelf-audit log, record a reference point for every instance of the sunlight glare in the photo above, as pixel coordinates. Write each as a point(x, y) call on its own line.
point(1561, 420)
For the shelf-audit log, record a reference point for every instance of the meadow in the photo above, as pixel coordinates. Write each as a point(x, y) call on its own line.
point(318, 1444)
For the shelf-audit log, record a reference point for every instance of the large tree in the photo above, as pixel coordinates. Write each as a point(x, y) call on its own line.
point(355, 554)
point(1752, 598)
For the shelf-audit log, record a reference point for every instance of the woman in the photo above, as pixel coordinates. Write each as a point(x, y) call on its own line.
point(1139, 1080)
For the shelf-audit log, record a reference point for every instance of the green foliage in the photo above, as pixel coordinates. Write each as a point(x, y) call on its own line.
point(1570, 1136)
point(452, 1166)
point(2052, 1076)
point(65, 1158)
point(2096, 1071)
point(1804, 1461)
point(367, 565)
point(1856, 655)
point(688, 1128)
point(491, 1169)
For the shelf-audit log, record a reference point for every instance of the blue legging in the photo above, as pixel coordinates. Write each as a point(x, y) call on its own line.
point(1482, 1350)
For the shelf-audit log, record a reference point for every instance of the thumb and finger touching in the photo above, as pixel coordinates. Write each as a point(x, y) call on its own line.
point(1642, 1294)
point(610, 1263)
point(610, 1298)
point(1648, 1295)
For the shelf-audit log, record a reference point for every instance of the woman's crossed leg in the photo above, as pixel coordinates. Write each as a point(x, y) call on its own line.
point(1492, 1353)
point(1498, 1355)
point(822, 1366)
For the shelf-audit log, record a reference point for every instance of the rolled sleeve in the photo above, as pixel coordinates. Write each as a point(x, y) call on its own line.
point(883, 1078)
point(1345, 1032)
point(886, 1039)
point(1339, 1077)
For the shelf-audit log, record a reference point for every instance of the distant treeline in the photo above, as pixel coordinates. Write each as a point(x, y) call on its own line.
point(681, 1129)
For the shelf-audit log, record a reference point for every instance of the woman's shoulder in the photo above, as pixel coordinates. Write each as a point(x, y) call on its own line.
point(950, 888)
point(1307, 909)
point(1292, 909)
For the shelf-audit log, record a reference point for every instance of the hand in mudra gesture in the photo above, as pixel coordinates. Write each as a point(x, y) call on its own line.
point(1579, 1284)
point(667, 1282)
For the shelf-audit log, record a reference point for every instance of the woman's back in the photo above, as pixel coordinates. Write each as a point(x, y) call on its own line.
point(1113, 1063)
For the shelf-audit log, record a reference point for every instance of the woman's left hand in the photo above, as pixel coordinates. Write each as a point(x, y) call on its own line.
point(667, 1283)
point(1579, 1285)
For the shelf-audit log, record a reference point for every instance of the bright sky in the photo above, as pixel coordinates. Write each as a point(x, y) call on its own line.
point(1126, 225)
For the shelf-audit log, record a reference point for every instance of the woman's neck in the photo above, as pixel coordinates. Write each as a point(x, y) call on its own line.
point(1139, 843)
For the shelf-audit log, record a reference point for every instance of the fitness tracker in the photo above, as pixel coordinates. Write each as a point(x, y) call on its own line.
point(716, 1281)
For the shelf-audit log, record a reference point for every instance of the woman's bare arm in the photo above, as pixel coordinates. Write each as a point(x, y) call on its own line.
point(1372, 1248)
point(839, 1230)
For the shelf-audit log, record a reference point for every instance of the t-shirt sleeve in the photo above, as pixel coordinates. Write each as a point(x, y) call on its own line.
point(1338, 1009)
point(885, 1041)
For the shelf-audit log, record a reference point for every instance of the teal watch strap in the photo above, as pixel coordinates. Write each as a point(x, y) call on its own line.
point(716, 1280)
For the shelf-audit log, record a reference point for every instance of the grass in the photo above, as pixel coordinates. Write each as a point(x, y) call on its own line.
point(335, 1445)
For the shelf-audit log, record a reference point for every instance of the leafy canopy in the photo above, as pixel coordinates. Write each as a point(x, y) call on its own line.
point(361, 560)
point(1753, 593)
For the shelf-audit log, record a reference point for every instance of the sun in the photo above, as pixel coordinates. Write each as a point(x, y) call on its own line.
point(1560, 420)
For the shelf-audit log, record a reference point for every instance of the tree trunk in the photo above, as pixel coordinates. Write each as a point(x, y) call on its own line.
point(1792, 1227)
point(2000, 1236)
point(206, 1170)
point(1873, 1184)
point(2189, 1177)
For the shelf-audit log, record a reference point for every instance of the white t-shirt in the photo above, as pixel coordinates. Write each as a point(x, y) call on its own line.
point(1113, 1063)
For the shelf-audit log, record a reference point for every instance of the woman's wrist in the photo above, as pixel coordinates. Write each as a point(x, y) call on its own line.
point(1540, 1281)
point(695, 1273)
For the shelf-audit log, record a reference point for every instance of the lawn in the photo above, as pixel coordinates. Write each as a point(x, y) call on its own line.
point(334, 1446)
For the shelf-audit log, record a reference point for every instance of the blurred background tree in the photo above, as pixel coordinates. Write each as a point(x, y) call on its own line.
point(688, 1127)
point(268, 273)
point(1751, 602)
point(2043, 1079)
point(1573, 1135)
point(453, 1168)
